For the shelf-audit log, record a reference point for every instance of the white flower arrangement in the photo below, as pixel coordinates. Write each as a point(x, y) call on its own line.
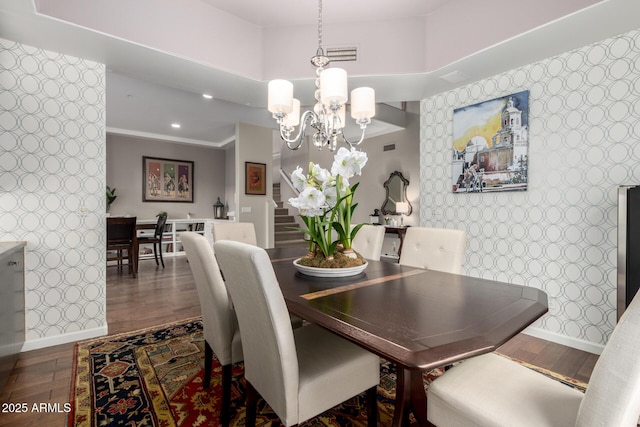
point(325, 200)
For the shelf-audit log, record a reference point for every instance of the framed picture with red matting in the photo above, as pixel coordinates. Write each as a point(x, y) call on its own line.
point(255, 179)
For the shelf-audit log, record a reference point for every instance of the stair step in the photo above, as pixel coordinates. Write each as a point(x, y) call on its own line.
point(285, 226)
point(282, 211)
point(288, 235)
point(283, 218)
point(280, 203)
point(290, 243)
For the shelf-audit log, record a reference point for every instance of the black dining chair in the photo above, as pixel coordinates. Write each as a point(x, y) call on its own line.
point(121, 234)
point(156, 239)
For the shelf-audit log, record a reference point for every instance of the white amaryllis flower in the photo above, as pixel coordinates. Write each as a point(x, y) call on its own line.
point(298, 179)
point(312, 212)
point(330, 195)
point(320, 174)
point(348, 163)
point(343, 180)
point(309, 200)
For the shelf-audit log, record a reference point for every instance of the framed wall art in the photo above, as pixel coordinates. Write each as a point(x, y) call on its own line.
point(167, 180)
point(491, 145)
point(255, 179)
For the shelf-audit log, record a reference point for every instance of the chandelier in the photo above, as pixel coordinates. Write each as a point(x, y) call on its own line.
point(328, 114)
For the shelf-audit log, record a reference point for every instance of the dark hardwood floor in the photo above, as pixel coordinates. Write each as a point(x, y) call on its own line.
point(160, 296)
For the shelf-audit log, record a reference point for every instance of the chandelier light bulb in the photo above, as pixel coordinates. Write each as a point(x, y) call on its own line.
point(333, 86)
point(292, 119)
point(363, 103)
point(280, 98)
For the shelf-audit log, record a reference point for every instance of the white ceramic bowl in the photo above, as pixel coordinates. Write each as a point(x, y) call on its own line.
point(329, 272)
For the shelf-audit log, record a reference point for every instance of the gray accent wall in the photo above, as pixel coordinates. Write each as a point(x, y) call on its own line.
point(559, 235)
point(124, 172)
point(254, 144)
point(52, 183)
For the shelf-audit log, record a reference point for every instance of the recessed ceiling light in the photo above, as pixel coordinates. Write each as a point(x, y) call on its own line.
point(207, 96)
point(175, 125)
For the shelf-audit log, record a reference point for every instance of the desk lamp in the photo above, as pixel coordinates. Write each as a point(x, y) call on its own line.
point(401, 209)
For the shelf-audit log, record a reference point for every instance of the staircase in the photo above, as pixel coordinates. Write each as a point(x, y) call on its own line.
point(285, 236)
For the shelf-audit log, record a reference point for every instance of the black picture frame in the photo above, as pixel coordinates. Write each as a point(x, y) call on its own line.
point(167, 180)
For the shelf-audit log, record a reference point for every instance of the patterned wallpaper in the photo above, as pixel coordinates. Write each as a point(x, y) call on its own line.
point(52, 180)
point(559, 235)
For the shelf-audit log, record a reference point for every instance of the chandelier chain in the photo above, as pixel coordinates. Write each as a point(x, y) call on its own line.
point(320, 24)
point(327, 120)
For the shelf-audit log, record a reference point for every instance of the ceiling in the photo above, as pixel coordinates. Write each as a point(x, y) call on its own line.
point(148, 88)
point(271, 13)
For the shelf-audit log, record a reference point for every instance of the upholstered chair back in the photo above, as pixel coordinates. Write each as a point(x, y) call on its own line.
point(368, 241)
point(613, 395)
point(491, 390)
point(244, 232)
point(438, 249)
point(299, 372)
point(219, 319)
point(271, 361)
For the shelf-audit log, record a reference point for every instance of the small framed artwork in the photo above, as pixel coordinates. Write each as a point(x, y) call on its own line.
point(255, 179)
point(167, 180)
point(491, 145)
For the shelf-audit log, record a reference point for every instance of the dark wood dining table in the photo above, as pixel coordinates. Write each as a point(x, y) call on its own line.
point(415, 318)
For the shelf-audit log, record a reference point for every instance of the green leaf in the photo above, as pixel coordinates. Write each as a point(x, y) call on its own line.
point(355, 230)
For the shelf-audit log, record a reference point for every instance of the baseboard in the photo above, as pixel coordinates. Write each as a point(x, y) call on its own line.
point(64, 338)
point(565, 340)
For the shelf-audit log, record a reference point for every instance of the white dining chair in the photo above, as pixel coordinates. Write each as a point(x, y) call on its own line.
point(490, 390)
point(244, 232)
point(368, 241)
point(440, 249)
point(220, 326)
point(300, 373)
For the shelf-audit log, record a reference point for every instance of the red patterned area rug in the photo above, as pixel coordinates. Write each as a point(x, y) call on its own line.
point(154, 377)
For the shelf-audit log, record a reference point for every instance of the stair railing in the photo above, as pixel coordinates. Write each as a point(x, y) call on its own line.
point(287, 179)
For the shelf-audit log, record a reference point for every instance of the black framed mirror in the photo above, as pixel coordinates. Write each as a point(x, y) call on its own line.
point(396, 191)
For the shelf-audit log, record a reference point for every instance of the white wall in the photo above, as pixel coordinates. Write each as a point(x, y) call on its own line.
point(479, 25)
point(559, 235)
point(230, 180)
point(52, 181)
point(206, 34)
point(124, 172)
point(378, 53)
point(254, 144)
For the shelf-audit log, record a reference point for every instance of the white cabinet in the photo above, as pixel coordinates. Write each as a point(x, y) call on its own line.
point(171, 245)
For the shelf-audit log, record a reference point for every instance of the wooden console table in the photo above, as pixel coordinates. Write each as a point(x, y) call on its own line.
point(400, 231)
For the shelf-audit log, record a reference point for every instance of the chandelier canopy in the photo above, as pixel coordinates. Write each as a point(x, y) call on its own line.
point(328, 114)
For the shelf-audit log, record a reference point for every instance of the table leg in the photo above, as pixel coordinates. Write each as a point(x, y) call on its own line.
point(418, 398)
point(402, 396)
point(410, 396)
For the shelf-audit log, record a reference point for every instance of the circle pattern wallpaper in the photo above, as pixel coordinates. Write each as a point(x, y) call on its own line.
point(559, 235)
point(52, 178)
